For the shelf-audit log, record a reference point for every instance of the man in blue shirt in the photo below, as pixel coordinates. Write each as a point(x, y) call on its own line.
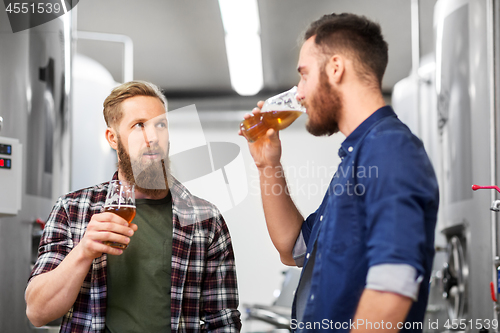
point(367, 251)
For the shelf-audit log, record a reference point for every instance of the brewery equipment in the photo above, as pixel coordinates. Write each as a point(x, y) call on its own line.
point(11, 155)
point(35, 90)
point(451, 103)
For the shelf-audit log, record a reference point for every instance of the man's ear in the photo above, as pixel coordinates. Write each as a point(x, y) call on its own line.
point(335, 68)
point(112, 137)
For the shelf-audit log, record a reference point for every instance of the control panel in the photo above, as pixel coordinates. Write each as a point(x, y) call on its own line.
point(10, 176)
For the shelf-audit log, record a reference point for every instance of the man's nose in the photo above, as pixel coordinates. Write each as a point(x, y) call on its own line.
point(299, 96)
point(150, 136)
point(300, 91)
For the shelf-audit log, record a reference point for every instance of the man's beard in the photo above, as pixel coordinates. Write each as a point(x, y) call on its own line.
point(325, 108)
point(149, 178)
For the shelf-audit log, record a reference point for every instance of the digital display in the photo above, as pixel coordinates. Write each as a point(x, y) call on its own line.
point(5, 163)
point(5, 149)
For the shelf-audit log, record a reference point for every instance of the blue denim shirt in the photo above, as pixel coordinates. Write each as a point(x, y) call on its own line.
point(380, 208)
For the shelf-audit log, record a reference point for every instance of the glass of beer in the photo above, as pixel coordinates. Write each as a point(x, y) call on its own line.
point(278, 112)
point(120, 200)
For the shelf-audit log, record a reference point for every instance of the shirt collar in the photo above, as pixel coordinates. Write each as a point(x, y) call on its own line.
point(349, 145)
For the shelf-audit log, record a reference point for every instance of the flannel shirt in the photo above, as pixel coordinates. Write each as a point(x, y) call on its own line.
point(204, 295)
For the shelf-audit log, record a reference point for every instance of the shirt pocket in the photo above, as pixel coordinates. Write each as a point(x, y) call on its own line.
point(342, 229)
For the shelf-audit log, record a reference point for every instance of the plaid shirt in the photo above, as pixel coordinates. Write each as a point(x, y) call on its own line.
point(204, 295)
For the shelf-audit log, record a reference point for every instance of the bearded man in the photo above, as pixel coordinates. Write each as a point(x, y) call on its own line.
point(177, 273)
point(367, 251)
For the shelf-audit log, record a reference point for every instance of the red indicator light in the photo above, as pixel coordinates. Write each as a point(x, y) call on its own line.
point(2, 162)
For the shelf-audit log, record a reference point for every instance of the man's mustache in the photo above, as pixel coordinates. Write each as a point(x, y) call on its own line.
point(152, 150)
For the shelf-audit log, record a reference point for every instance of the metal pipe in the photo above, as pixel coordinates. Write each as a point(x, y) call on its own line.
point(415, 36)
point(415, 49)
point(490, 31)
point(128, 49)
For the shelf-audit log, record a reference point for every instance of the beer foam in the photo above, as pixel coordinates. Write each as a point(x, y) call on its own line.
point(274, 107)
point(286, 101)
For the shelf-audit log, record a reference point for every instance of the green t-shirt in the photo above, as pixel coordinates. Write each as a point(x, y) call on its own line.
point(138, 281)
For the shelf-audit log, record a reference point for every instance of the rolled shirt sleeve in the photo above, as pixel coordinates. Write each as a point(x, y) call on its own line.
point(56, 241)
point(299, 250)
point(396, 278)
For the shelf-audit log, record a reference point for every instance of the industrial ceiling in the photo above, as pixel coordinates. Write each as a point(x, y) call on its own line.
point(180, 45)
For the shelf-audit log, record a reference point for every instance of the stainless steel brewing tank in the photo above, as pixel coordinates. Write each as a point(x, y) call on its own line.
point(463, 94)
point(453, 119)
point(35, 88)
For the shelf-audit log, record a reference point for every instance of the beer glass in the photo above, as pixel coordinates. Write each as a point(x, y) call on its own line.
point(278, 112)
point(120, 200)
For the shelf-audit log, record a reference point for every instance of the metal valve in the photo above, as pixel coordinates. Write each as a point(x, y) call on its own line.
point(495, 206)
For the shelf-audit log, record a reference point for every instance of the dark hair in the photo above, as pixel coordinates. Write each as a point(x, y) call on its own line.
point(354, 36)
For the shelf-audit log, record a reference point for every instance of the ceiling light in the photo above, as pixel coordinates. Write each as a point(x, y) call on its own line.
point(243, 47)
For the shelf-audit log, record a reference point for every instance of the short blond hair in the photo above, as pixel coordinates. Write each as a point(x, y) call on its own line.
point(112, 111)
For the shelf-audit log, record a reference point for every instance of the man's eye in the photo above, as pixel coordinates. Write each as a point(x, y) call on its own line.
point(139, 125)
point(162, 125)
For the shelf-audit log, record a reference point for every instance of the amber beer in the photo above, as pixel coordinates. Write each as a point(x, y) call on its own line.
point(127, 212)
point(256, 126)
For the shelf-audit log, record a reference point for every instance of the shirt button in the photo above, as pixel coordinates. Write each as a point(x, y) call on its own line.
point(350, 149)
point(321, 218)
point(312, 297)
point(307, 256)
